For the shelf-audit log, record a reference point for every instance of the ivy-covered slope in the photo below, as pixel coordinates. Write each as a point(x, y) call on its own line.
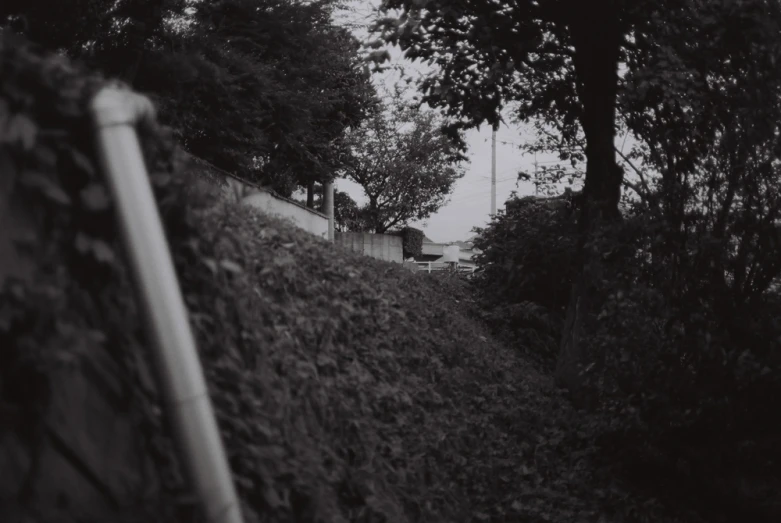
point(347, 389)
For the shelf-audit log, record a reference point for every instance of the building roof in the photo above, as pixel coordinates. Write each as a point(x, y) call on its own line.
point(431, 248)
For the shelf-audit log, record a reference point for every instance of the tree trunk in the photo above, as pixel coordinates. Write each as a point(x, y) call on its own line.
point(145, 16)
point(310, 195)
point(596, 64)
point(374, 223)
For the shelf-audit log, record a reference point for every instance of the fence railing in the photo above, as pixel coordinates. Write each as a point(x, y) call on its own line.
point(442, 266)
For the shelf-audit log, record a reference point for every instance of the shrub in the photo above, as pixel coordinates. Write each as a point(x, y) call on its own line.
point(524, 272)
point(527, 253)
point(686, 398)
point(412, 241)
point(687, 390)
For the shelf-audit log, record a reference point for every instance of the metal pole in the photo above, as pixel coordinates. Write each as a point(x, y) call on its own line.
point(179, 372)
point(328, 197)
point(493, 173)
point(536, 181)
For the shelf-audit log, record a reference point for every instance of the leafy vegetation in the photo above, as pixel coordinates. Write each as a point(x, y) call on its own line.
point(347, 389)
point(680, 62)
point(405, 164)
point(353, 390)
point(264, 89)
point(685, 392)
point(526, 266)
point(412, 242)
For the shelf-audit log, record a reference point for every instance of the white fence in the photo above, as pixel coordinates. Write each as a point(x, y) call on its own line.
point(442, 266)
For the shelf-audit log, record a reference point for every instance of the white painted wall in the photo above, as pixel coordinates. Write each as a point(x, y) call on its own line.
point(433, 249)
point(300, 215)
point(451, 253)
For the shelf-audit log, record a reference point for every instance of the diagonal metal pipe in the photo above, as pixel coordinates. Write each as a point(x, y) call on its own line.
point(115, 113)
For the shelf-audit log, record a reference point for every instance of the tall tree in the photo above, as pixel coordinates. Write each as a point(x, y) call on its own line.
point(539, 54)
point(262, 88)
point(405, 164)
point(303, 75)
point(558, 60)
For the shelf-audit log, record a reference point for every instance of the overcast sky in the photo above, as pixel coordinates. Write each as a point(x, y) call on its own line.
point(470, 202)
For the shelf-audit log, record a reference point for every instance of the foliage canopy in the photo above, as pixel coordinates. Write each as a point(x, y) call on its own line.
point(681, 60)
point(260, 88)
point(405, 164)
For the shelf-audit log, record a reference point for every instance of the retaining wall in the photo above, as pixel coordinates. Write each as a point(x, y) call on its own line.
point(270, 203)
point(380, 246)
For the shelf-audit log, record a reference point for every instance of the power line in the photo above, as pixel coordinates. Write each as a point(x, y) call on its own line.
point(471, 197)
point(511, 178)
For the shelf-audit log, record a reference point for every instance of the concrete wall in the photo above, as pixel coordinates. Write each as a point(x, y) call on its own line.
point(239, 191)
point(380, 246)
point(300, 215)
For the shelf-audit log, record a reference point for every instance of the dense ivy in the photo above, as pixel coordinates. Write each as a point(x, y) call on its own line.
point(412, 242)
point(73, 297)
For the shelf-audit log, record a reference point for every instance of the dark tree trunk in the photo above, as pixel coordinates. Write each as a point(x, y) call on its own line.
point(145, 16)
point(597, 51)
point(374, 223)
point(310, 195)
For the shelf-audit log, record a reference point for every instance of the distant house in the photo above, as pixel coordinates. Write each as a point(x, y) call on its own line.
point(467, 253)
point(437, 256)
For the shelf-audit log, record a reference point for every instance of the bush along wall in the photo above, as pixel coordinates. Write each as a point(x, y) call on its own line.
point(412, 241)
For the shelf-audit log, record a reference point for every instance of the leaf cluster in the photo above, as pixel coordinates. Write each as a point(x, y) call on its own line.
point(261, 89)
point(412, 242)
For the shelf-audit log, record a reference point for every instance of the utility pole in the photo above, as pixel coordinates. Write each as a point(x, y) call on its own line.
point(328, 200)
point(493, 172)
point(536, 181)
